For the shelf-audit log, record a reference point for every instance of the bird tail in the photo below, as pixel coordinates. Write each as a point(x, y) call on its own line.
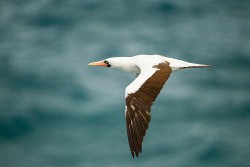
point(193, 65)
point(176, 64)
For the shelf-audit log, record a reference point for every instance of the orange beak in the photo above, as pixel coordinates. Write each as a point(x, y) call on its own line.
point(98, 63)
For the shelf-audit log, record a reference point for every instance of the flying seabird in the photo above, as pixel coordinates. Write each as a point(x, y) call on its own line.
point(152, 71)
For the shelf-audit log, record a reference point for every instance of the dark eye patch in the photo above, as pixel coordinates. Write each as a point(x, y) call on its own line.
point(106, 62)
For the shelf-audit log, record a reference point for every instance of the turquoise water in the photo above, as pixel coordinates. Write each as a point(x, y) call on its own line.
point(57, 111)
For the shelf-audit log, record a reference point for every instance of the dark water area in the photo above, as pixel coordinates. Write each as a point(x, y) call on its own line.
point(57, 111)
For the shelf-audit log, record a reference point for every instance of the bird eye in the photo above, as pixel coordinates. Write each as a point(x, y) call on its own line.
point(106, 62)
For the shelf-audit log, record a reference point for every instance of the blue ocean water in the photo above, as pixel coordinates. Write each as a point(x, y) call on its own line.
point(57, 111)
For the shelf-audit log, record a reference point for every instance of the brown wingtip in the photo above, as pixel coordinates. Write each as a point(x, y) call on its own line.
point(135, 154)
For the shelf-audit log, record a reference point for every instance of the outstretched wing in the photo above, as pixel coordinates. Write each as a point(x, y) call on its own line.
point(140, 95)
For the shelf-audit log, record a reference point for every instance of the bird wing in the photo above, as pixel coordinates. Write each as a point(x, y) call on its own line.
point(140, 95)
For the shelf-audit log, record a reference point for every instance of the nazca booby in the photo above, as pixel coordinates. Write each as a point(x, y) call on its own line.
point(152, 71)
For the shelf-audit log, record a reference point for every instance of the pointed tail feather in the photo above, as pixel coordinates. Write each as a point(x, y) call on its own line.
point(193, 65)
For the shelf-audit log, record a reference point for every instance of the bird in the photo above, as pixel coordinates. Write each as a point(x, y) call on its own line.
point(151, 71)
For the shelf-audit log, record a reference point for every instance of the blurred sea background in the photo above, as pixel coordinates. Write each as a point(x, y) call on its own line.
point(57, 111)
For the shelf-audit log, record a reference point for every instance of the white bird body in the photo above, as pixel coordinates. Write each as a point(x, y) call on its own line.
point(130, 64)
point(141, 63)
point(152, 72)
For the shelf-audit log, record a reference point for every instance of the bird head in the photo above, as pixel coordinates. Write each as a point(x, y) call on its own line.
point(115, 62)
point(103, 63)
point(123, 63)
